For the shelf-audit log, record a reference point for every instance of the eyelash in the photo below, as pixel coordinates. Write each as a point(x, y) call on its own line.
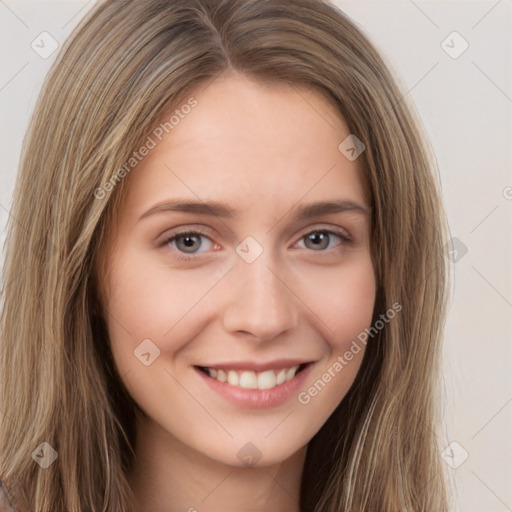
point(181, 257)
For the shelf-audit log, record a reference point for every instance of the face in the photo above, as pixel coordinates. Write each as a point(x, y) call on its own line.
point(232, 303)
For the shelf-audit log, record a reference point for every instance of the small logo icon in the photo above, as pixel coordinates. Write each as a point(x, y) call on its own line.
point(454, 455)
point(455, 249)
point(249, 249)
point(351, 147)
point(454, 45)
point(249, 455)
point(147, 352)
point(44, 45)
point(45, 455)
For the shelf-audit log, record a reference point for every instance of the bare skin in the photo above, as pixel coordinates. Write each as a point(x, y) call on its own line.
point(264, 151)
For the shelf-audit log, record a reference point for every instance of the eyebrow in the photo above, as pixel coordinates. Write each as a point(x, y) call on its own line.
point(216, 209)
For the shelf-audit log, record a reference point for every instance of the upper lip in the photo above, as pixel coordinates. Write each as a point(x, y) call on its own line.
point(277, 364)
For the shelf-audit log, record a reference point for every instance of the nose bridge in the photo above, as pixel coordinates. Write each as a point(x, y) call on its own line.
point(259, 300)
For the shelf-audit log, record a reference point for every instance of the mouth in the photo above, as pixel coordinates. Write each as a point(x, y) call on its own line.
point(248, 385)
point(249, 379)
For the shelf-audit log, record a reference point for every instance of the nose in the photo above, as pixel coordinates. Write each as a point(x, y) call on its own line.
point(258, 300)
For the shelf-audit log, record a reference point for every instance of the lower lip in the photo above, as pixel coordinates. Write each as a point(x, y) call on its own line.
point(258, 398)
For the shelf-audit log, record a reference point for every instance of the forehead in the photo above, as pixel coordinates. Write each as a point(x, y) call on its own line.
point(256, 146)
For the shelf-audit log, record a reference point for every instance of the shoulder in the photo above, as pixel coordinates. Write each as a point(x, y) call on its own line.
point(7, 500)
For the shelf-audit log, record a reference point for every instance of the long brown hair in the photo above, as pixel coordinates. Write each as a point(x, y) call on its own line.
point(126, 63)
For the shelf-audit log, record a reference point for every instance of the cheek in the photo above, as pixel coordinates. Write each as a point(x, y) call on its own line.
point(149, 300)
point(345, 306)
point(343, 299)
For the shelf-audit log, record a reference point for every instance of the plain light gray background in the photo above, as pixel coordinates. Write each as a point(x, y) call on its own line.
point(465, 102)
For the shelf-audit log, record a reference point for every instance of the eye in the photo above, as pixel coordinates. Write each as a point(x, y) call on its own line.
point(320, 239)
point(188, 243)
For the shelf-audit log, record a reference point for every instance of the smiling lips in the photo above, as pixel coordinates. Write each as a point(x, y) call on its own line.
point(252, 375)
point(249, 379)
point(257, 386)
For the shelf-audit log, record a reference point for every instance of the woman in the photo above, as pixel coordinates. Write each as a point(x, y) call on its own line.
point(251, 367)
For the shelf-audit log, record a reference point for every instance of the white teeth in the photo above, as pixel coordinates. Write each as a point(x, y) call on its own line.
point(232, 378)
point(254, 380)
point(248, 380)
point(281, 377)
point(266, 380)
point(290, 373)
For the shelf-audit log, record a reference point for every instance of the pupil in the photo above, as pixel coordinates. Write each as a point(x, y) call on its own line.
point(189, 241)
point(318, 238)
